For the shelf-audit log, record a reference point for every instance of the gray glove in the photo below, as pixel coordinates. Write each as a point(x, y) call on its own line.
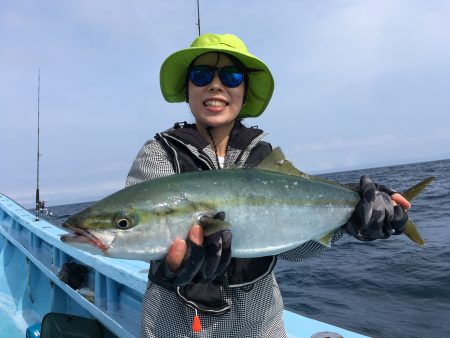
point(375, 217)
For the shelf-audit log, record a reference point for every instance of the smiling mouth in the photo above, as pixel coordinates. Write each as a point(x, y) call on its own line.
point(215, 103)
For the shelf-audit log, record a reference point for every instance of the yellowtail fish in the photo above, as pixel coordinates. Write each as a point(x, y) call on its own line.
point(270, 209)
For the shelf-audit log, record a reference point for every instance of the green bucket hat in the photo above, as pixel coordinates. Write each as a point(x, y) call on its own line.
point(260, 84)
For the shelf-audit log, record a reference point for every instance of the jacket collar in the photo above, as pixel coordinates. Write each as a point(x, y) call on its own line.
point(240, 137)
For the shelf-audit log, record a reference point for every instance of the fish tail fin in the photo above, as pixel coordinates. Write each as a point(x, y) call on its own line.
point(412, 233)
point(411, 193)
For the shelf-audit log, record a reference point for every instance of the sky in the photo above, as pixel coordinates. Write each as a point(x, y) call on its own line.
point(358, 84)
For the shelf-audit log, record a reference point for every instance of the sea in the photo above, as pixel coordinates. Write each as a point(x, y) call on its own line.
point(384, 288)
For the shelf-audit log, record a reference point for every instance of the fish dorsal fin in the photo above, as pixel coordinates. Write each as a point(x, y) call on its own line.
point(277, 162)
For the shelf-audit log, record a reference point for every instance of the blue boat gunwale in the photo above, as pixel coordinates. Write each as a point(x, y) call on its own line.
point(14, 218)
point(128, 272)
point(131, 274)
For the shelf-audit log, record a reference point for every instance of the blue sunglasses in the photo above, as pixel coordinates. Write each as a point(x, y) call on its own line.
point(230, 76)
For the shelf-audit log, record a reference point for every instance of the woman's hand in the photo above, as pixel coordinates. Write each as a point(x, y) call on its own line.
point(198, 259)
point(380, 213)
point(177, 251)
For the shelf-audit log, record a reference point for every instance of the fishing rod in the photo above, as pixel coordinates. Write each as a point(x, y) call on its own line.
point(38, 202)
point(198, 16)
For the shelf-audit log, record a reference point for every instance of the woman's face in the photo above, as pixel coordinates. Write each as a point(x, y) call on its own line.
point(215, 105)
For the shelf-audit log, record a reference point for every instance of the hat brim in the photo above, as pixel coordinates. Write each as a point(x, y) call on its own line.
point(260, 86)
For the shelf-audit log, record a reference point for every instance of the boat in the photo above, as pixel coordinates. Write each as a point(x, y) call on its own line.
point(32, 257)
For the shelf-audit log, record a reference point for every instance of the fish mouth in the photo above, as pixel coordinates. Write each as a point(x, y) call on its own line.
point(83, 236)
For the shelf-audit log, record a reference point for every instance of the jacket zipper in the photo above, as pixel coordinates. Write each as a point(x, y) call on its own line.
point(202, 156)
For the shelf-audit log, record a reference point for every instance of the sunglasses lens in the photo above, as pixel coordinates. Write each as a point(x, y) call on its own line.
point(201, 77)
point(231, 76)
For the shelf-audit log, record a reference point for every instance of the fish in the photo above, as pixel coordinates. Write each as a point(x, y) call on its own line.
point(270, 209)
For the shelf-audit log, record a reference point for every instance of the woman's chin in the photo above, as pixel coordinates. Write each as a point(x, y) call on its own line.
point(214, 122)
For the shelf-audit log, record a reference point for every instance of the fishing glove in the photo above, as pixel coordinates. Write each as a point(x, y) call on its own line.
point(375, 217)
point(201, 264)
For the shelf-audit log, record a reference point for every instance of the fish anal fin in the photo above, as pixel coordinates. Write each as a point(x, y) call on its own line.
point(277, 162)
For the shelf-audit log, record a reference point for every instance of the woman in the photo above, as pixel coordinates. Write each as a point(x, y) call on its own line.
point(223, 83)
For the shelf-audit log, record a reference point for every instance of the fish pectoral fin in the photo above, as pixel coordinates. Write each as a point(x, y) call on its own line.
point(213, 222)
point(276, 161)
point(326, 239)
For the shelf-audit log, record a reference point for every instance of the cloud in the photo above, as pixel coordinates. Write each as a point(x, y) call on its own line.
point(338, 144)
point(340, 154)
point(380, 142)
point(358, 42)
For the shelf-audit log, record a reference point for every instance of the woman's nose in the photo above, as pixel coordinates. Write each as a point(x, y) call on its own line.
point(216, 83)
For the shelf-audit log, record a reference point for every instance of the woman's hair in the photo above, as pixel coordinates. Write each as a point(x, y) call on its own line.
point(238, 63)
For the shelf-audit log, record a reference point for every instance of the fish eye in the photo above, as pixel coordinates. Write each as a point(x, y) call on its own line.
point(123, 221)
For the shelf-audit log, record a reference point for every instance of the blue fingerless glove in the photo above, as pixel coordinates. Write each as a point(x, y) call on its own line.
point(375, 217)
